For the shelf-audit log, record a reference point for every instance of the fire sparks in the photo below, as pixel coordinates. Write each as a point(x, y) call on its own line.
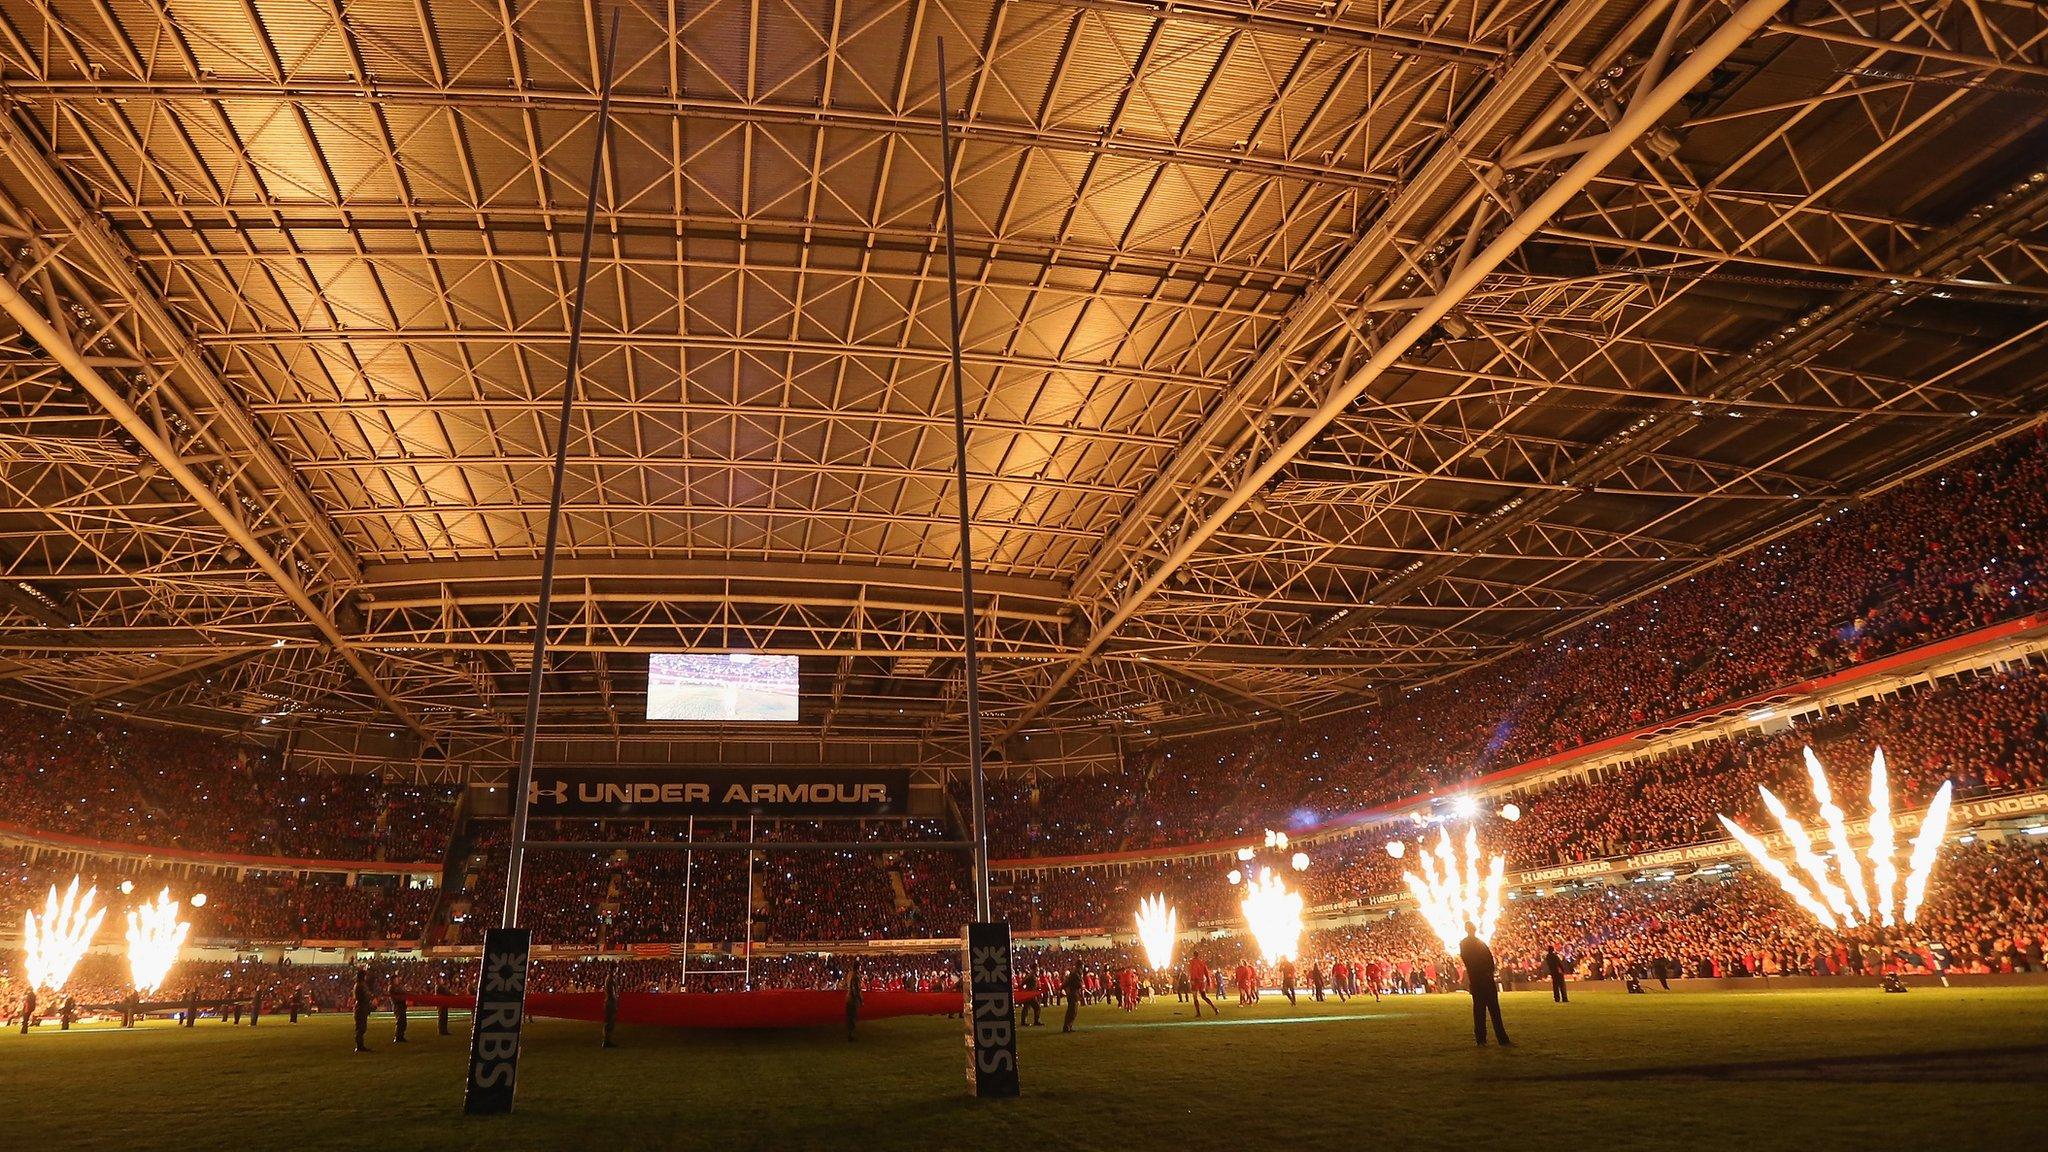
point(1453, 893)
point(1158, 925)
point(55, 943)
point(154, 936)
point(1273, 913)
point(1841, 896)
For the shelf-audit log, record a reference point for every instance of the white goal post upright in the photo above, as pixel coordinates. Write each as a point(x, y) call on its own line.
point(990, 1013)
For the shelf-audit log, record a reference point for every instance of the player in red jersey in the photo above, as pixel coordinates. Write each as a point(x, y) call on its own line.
point(1198, 983)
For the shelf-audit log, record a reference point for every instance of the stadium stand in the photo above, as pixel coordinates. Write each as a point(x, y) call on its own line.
point(145, 785)
point(1714, 639)
point(1950, 552)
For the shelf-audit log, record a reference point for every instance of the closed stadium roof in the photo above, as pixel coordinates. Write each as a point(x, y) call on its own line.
point(1311, 347)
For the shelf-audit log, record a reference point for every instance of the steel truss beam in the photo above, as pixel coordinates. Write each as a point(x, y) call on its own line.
point(331, 278)
point(1454, 167)
point(1988, 228)
point(89, 250)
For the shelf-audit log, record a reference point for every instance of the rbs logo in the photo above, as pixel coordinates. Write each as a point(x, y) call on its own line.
point(494, 1031)
point(991, 1015)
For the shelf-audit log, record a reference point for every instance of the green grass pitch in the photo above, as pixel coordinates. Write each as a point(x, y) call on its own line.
point(1807, 1070)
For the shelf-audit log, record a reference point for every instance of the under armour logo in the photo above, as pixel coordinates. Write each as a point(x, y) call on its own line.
point(558, 792)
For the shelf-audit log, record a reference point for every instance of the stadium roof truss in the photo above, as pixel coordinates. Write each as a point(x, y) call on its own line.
point(1313, 346)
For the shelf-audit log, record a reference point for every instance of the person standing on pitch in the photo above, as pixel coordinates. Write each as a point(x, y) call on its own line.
point(1287, 978)
point(1035, 1006)
point(1479, 981)
point(611, 1005)
point(1073, 991)
point(441, 993)
point(397, 1010)
point(1315, 980)
point(852, 996)
point(298, 1003)
point(1198, 985)
point(191, 1005)
point(363, 1005)
point(255, 1003)
point(1554, 965)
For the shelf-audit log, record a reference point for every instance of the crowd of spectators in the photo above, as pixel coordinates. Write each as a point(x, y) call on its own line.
point(1954, 551)
point(1988, 913)
point(249, 906)
point(145, 785)
point(1951, 552)
point(1986, 735)
point(625, 897)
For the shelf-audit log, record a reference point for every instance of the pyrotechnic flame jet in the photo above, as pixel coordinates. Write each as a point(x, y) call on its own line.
point(154, 936)
point(1800, 893)
point(1273, 913)
point(1925, 847)
point(1453, 893)
point(1884, 874)
point(1803, 854)
point(1158, 926)
point(1838, 835)
point(54, 944)
point(1826, 900)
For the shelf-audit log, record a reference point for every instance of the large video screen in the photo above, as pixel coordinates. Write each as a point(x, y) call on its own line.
point(728, 686)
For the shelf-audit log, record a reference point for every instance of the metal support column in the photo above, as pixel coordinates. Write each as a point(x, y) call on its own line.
point(522, 780)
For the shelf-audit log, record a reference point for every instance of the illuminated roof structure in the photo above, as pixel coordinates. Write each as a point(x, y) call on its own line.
point(1313, 346)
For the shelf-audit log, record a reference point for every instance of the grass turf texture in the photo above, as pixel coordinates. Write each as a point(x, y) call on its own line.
point(1807, 1070)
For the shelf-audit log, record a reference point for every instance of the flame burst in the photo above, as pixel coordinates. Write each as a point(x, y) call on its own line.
point(1273, 913)
point(154, 936)
point(1840, 896)
point(54, 944)
point(1452, 893)
point(1158, 925)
